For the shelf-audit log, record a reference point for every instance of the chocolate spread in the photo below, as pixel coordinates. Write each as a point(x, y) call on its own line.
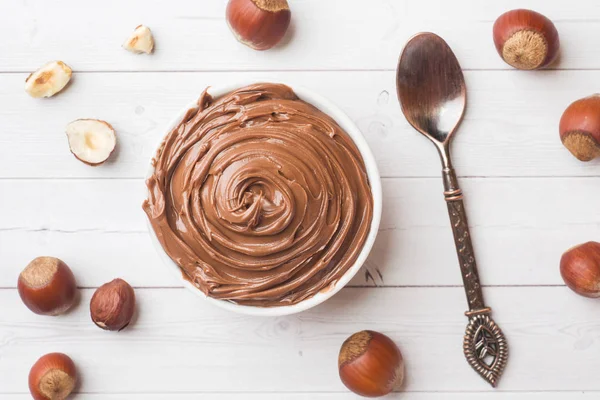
point(260, 197)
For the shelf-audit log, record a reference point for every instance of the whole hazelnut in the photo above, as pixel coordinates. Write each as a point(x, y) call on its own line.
point(580, 269)
point(580, 128)
point(112, 305)
point(259, 24)
point(52, 377)
point(370, 364)
point(526, 39)
point(47, 286)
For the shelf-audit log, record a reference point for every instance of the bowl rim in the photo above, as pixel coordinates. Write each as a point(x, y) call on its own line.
point(374, 177)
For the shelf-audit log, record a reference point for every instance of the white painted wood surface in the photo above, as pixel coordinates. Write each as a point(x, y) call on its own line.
point(180, 344)
point(528, 200)
point(332, 34)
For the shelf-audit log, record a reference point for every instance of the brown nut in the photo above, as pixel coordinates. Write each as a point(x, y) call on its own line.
point(259, 24)
point(113, 305)
point(580, 128)
point(370, 364)
point(580, 269)
point(52, 377)
point(47, 286)
point(526, 39)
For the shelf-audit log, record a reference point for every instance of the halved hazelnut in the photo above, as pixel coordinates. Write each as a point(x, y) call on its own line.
point(48, 80)
point(140, 41)
point(47, 286)
point(91, 140)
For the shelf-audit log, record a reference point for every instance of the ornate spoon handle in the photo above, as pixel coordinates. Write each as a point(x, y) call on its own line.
point(484, 343)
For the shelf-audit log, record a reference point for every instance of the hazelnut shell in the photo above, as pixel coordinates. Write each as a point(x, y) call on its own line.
point(526, 39)
point(52, 377)
point(47, 286)
point(580, 269)
point(580, 128)
point(259, 24)
point(370, 364)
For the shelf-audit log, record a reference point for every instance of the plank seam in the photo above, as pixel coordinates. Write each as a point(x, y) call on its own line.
point(517, 286)
point(318, 70)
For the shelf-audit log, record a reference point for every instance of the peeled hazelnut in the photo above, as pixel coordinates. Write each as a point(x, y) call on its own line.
point(140, 41)
point(113, 305)
point(580, 128)
point(370, 364)
point(48, 80)
point(52, 377)
point(580, 269)
point(47, 286)
point(259, 24)
point(91, 141)
point(526, 39)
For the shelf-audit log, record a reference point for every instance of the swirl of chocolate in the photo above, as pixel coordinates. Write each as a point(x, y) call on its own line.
point(260, 197)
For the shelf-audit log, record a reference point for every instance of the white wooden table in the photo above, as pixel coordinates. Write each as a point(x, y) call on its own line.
point(528, 200)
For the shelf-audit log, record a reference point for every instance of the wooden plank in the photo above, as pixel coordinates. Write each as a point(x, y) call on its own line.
point(520, 228)
point(95, 257)
point(180, 344)
point(333, 34)
point(511, 128)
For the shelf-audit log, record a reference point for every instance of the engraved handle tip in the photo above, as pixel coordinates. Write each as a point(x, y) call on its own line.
point(485, 346)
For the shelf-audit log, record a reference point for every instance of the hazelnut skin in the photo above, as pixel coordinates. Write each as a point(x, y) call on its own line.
point(113, 305)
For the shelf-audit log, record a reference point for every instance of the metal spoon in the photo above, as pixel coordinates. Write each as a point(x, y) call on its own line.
point(433, 95)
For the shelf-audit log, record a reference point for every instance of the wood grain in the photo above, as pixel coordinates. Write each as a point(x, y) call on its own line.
point(180, 344)
point(510, 129)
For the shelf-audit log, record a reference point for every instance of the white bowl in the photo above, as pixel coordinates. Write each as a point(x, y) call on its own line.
point(374, 179)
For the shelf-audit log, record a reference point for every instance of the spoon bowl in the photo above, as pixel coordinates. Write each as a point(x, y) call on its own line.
point(431, 87)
